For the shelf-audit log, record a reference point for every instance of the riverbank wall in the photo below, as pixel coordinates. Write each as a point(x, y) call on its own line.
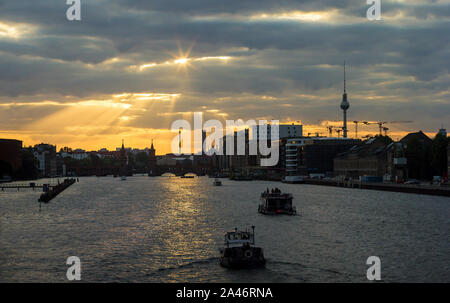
point(433, 190)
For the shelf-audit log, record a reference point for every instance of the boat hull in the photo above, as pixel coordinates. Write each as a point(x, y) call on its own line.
point(276, 205)
point(242, 258)
point(263, 210)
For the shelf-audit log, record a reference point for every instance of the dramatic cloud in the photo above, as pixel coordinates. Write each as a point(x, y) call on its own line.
point(229, 59)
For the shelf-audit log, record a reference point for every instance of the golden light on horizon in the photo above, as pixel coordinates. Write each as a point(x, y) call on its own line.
point(95, 123)
point(93, 127)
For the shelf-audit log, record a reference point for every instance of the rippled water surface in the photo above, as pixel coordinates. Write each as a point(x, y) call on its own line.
point(170, 229)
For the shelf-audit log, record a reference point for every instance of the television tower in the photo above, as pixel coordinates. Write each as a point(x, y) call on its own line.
point(344, 106)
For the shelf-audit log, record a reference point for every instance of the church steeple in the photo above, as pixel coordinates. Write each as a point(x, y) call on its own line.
point(152, 152)
point(152, 165)
point(123, 157)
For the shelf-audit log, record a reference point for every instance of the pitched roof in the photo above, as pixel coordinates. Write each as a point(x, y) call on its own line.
point(373, 147)
point(419, 135)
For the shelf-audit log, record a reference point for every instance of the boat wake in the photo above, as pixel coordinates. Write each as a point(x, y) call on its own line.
point(190, 264)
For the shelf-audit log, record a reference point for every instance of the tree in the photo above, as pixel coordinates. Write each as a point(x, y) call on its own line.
point(95, 160)
point(131, 160)
point(417, 154)
point(439, 155)
point(65, 149)
point(29, 169)
point(141, 160)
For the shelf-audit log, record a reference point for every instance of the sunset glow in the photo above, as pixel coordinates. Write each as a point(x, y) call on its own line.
point(269, 62)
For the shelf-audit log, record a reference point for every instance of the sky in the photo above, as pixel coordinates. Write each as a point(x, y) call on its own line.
point(130, 68)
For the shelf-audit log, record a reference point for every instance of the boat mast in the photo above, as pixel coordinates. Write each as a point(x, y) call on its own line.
point(253, 228)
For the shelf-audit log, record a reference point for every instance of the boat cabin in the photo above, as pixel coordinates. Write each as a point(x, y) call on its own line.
point(240, 250)
point(237, 237)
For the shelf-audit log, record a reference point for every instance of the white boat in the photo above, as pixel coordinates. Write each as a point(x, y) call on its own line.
point(217, 182)
point(240, 250)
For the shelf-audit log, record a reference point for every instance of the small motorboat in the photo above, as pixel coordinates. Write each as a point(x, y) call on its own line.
point(217, 182)
point(240, 250)
point(276, 203)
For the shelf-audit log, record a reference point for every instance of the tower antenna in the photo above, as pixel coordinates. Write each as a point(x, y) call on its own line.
point(345, 80)
point(345, 105)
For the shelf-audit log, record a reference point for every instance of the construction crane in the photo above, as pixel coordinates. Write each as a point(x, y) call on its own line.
point(380, 124)
point(356, 127)
point(330, 130)
point(337, 129)
point(381, 127)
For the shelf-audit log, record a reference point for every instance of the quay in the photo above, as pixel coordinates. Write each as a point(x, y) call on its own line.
point(31, 185)
point(402, 188)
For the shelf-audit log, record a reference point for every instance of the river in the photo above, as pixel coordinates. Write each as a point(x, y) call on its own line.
point(170, 229)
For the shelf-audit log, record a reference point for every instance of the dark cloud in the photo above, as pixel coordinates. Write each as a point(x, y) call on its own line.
point(405, 56)
point(201, 7)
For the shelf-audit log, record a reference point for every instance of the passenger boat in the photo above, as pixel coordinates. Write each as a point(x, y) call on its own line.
point(276, 203)
point(217, 182)
point(240, 250)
